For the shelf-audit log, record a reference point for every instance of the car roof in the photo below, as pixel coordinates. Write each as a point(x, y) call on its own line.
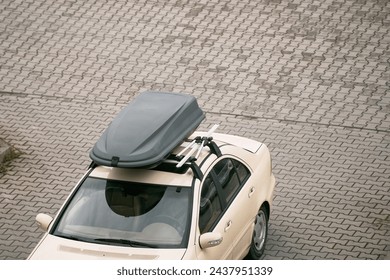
point(147, 176)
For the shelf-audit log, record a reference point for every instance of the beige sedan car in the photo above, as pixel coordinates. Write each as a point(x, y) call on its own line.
point(212, 203)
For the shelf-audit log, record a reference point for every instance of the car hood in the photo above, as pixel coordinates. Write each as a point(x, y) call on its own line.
point(56, 248)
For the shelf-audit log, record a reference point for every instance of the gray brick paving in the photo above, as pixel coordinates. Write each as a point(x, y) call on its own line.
point(308, 78)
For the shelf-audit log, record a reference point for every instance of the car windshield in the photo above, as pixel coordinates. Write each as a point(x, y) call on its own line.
point(127, 214)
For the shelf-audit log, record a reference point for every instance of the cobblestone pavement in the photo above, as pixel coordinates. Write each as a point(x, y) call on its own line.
point(309, 78)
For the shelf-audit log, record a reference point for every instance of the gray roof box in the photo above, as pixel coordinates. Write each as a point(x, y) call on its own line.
point(145, 132)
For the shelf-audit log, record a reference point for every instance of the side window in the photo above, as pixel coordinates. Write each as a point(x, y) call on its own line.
point(210, 205)
point(227, 178)
point(242, 171)
point(224, 181)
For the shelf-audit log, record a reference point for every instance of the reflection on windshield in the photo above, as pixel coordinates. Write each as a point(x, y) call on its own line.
point(116, 211)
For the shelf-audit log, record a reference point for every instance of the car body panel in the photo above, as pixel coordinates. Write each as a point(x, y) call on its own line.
point(53, 247)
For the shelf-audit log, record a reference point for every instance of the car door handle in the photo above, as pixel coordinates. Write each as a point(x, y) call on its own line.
point(228, 225)
point(251, 192)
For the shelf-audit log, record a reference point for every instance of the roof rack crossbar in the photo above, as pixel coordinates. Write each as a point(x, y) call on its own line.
point(190, 145)
point(198, 144)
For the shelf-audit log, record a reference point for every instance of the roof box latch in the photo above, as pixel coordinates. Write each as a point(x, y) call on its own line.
point(114, 161)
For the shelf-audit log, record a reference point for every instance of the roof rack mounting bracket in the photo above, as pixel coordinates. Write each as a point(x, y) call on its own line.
point(196, 170)
point(214, 148)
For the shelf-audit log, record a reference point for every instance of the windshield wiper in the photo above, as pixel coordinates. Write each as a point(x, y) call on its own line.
point(72, 237)
point(131, 243)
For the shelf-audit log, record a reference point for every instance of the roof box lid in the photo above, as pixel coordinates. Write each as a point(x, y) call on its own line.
point(147, 130)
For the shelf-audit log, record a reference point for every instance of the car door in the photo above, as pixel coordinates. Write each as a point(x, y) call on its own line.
point(231, 177)
point(244, 208)
point(223, 209)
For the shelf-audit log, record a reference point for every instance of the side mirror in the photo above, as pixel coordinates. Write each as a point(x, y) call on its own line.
point(210, 239)
point(43, 221)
